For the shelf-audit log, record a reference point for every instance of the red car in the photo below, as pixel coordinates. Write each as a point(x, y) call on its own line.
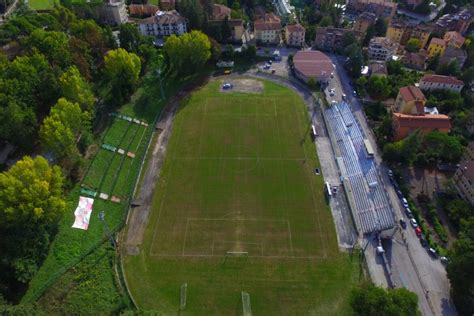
point(418, 231)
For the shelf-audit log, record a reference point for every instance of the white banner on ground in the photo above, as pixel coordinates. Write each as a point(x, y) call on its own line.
point(83, 213)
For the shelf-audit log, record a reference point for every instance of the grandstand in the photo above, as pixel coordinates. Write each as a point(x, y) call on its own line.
point(369, 203)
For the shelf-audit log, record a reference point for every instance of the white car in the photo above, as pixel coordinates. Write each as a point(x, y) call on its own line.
point(413, 223)
point(227, 86)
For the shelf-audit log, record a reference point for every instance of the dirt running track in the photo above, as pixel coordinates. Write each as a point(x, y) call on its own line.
point(138, 217)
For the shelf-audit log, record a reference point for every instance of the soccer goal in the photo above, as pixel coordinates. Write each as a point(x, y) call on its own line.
point(235, 258)
point(246, 308)
point(182, 299)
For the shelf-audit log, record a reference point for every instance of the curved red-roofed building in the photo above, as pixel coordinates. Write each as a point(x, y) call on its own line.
point(313, 64)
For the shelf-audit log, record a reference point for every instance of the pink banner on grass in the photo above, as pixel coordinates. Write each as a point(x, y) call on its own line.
point(83, 213)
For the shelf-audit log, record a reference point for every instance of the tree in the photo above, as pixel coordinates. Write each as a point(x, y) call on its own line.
point(75, 89)
point(122, 70)
point(355, 61)
point(371, 300)
point(226, 29)
point(413, 45)
point(442, 147)
point(194, 12)
point(129, 37)
point(31, 192)
point(460, 269)
point(450, 69)
point(188, 52)
point(18, 122)
point(61, 128)
point(378, 87)
point(380, 27)
point(326, 21)
point(54, 45)
point(216, 49)
point(251, 52)
point(31, 204)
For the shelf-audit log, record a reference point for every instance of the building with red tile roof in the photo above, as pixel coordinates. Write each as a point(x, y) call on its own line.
point(438, 82)
point(267, 28)
point(142, 10)
point(405, 124)
point(454, 38)
point(219, 12)
point(313, 64)
point(410, 100)
point(295, 35)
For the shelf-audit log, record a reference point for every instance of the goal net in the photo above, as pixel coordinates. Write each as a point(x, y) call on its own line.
point(182, 299)
point(247, 309)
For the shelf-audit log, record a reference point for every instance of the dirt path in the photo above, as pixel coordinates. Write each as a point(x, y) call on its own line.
point(139, 215)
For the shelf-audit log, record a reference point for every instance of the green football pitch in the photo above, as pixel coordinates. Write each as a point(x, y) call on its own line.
point(239, 208)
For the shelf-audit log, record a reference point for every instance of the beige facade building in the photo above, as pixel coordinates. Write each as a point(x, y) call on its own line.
point(464, 180)
point(384, 9)
point(410, 100)
point(437, 82)
point(382, 48)
point(267, 29)
point(330, 38)
point(114, 12)
point(401, 32)
point(364, 20)
point(295, 35)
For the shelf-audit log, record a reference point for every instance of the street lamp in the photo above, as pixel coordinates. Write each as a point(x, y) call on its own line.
point(107, 231)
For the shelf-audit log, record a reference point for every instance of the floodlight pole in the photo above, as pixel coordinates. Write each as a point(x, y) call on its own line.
point(107, 231)
point(158, 72)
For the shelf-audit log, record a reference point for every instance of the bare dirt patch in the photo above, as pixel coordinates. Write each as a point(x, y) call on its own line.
point(243, 85)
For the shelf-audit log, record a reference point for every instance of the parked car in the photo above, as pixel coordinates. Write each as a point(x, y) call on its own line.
point(390, 173)
point(226, 86)
point(433, 252)
point(403, 223)
point(423, 241)
point(334, 189)
point(399, 193)
point(270, 61)
point(404, 202)
point(317, 171)
point(354, 93)
point(444, 260)
point(413, 223)
point(266, 66)
point(409, 213)
point(418, 231)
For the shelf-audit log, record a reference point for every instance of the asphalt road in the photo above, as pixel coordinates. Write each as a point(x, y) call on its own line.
point(410, 264)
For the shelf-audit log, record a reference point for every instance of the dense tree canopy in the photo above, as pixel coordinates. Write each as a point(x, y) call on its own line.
point(61, 128)
point(122, 70)
point(188, 52)
point(460, 269)
point(374, 301)
point(75, 89)
point(31, 203)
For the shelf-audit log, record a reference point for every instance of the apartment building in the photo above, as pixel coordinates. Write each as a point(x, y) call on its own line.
point(114, 12)
point(463, 180)
point(454, 39)
point(163, 24)
point(410, 100)
point(363, 21)
point(436, 47)
point(384, 9)
point(458, 22)
point(267, 29)
point(283, 7)
point(295, 35)
point(452, 53)
point(382, 48)
point(437, 82)
point(330, 38)
point(401, 32)
point(405, 124)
